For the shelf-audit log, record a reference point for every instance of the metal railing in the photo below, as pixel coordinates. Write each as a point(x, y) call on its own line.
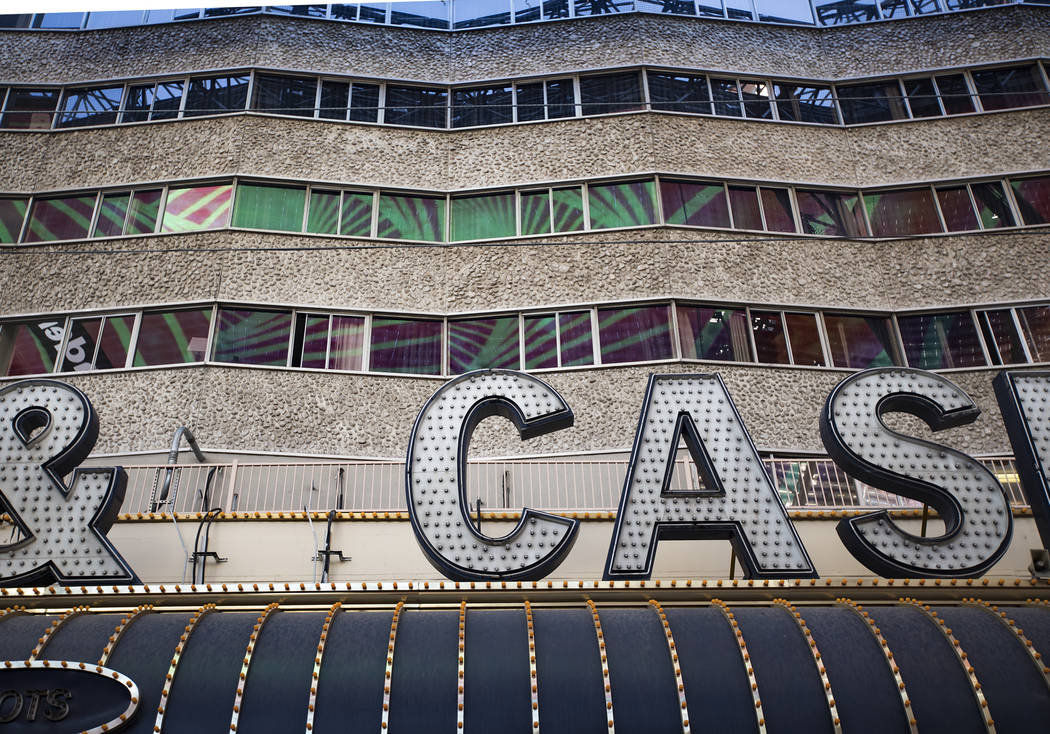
point(501, 485)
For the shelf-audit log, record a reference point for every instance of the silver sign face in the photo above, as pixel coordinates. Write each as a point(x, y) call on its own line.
point(738, 503)
point(47, 428)
point(972, 504)
point(436, 478)
point(1024, 399)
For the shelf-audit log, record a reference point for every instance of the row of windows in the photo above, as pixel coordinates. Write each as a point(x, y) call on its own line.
point(572, 337)
point(460, 14)
point(527, 211)
point(930, 95)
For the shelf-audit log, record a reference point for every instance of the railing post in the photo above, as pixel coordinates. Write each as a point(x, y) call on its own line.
point(233, 483)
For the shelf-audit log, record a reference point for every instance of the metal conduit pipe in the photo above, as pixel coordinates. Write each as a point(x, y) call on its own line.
point(182, 432)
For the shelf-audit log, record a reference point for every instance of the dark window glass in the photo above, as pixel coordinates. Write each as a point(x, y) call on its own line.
point(483, 343)
point(830, 213)
point(714, 333)
point(324, 212)
point(215, 95)
point(1018, 86)
point(143, 212)
point(805, 339)
point(541, 343)
point(364, 104)
point(530, 102)
point(777, 205)
point(567, 209)
point(252, 337)
point(310, 349)
point(1035, 323)
point(872, 102)
point(744, 201)
point(1000, 334)
point(344, 12)
point(416, 106)
point(860, 342)
point(94, 106)
point(261, 206)
point(483, 216)
point(86, 350)
point(194, 208)
point(12, 214)
point(602, 7)
point(482, 106)
point(610, 93)
point(693, 203)
point(373, 13)
point(111, 215)
point(637, 334)
point(561, 99)
point(406, 217)
point(679, 93)
point(481, 13)
point(955, 95)
point(338, 345)
point(836, 12)
point(60, 218)
point(992, 206)
point(899, 213)
point(58, 20)
point(305, 11)
point(805, 103)
point(222, 12)
point(921, 98)
point(162, 99)
point(334, 98)
point(356, 217)
point(403, 345)
point(630, 204)
point(553, 9)
point(756, 99)
point(421, 14)
point(941, 341)
point(30, 348)
point(1033, 199)
point(726, 97)
point(29, 108)
point(575, 333)
point(770, 343)
point(957, 208)
point(17, 20)
point(285, 95)
point(535, 212)
point(172, 337)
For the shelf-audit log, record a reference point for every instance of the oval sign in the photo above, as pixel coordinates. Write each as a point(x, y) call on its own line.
point(59, 697)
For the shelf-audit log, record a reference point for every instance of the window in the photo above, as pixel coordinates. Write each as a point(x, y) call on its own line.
point(992, 206)
point(143, 212)
point(245, 336)
point(800, 103)
point(871, 102)
point(30, 347)
point(1033, 199)
point(726, 96)
point(421, 14)
point(195, 208)
point(98, 343)
point(756, 99)
point(1018, 86)
point(922, 99)
point(638, 334)
point(29, 108)
point(776, 204)
point(324, 212)
point(744, 203)
point(483, 343)
point(94, 106)
point(1001, 336)
point(335, 99)
point(12, 214)
point(940, 341)
point(567, 209)
point(159, 101)
point(405, 345)
point(535, 212)
point(694, 203)
point(957, 208)
point(355, 219)
point(111, 215)
point(364, 103)
point(713, 333)
point(546, 100)
point(622, 204)
point(835, 12)
point(215, 95)
point(860, 342)
point(329, 342)
point(285, 95)
point(483, 216)
point(558, 340)
point(482, 106)
point(901, 213)
point(416, 106)
point(784, 11)
point(479, 13)
point(601, 7)
point(1035, 324)
point(172, 337)
point(679, 93)
point(406, 217)
point(830, 213)
point(805, 339)
point(260, 206)
point(60, 218)
point(955, 94)
point(608, 93)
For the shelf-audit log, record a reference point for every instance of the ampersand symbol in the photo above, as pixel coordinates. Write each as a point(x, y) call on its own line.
point(47, 428)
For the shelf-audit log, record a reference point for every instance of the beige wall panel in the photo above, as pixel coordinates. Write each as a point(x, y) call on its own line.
point(300, 412)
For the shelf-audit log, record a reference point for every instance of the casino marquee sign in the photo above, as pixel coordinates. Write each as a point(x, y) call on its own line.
point(47, 428)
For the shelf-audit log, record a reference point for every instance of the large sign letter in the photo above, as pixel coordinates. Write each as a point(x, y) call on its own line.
point(975, 511)
point(46, 429)
point(738, 502)
point(437, 470)
point(1024, 399)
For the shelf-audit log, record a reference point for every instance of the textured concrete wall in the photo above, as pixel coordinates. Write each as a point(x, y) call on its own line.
point(402, 53)
point(571, 269)
point(299, 412)
point(905, 152)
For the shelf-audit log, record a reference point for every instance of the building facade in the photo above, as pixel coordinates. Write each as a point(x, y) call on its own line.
point(285, 230)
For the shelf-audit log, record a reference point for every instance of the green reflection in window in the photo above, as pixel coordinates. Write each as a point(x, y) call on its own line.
point(12, 212)
point(356, 220)
point(405, 217)
point(622, 204)
point(535, 212)
point(567, 207)
point(480, 343)
point(324, 212)
point(142, 215)
point(269, 207)
point(197, 207)
point(483, 217)
point(111, 215)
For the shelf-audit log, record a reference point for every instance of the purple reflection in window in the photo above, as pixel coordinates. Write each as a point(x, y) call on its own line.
point(576, 346)
point(634, 334)
point(403, 345)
